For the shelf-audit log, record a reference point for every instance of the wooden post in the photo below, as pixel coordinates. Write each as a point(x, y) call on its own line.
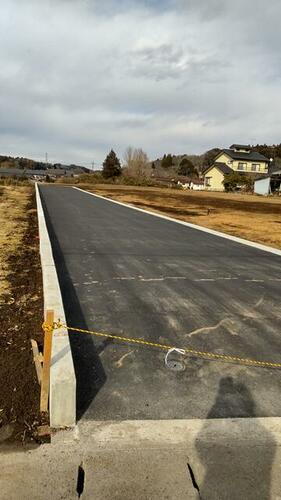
point(38, 360)
point(45, 383)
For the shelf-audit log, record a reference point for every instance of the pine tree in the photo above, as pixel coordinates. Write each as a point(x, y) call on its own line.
point(186, 167)
point(111, 166)
point(167, 161)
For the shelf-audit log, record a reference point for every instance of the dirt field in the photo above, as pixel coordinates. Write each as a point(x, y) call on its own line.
point(21, 307)
point(13, 224)
point(248, 216)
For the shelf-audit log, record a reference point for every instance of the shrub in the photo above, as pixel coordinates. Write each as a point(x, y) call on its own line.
point(95, 178)
point(49, 179)
point(67, 180)
point(236, 181)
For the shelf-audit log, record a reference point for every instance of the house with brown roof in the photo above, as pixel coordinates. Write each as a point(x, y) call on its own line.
point(237, 158)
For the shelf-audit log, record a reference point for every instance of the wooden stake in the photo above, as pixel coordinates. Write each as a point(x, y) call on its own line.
point(38, 359)
point(45, 383)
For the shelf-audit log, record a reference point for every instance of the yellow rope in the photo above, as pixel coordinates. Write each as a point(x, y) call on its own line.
point(48, 328)
point(202, 354)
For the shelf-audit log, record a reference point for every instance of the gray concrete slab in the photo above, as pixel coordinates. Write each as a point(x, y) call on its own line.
point(148, 460)
point(130, 273)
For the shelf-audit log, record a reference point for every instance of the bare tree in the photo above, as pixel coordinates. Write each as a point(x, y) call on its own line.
point(136, 162)
point(128, 157)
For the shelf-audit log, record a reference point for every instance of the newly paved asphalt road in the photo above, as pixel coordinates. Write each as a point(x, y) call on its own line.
point(134, 274)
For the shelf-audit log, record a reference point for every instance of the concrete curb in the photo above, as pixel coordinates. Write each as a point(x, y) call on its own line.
point(62, 377)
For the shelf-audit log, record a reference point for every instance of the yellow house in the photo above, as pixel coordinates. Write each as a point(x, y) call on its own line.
point(238, 158)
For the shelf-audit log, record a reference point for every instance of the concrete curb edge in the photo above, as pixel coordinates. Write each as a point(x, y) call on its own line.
point(62, 377)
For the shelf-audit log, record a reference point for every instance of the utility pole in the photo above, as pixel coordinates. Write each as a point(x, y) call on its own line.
point(93, 165)
point(46, 158)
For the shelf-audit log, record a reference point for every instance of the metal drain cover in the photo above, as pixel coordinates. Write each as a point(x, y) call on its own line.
point(175, 365)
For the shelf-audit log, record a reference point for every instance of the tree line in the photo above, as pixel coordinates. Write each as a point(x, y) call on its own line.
point(137, 164)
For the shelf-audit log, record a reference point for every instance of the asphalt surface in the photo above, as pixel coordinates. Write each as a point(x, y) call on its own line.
point(134, 274)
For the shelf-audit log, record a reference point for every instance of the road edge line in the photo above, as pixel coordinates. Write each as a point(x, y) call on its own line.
point(242, 241)
point(62, 376)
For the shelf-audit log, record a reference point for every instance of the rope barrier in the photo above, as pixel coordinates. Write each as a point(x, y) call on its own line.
point(201, 354)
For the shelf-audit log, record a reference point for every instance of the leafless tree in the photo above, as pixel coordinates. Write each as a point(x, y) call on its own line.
point(136, 162)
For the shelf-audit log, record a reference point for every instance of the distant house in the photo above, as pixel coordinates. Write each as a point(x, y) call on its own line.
point(238, 158)
point(191, 183)
point(13, 172)
point(34, 174)
point(180, 181)
point(53, 172)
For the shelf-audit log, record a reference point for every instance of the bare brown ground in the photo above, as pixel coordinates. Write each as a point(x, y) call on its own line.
point(13, 224)
point(248, 216)
point(21, 313)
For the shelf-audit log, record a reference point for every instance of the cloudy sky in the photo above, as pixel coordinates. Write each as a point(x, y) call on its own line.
point(79, 77)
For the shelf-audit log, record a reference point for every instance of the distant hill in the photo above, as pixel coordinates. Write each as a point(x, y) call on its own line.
point(28, 164)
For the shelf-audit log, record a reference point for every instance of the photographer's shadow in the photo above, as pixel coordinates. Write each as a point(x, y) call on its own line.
point(238, 463)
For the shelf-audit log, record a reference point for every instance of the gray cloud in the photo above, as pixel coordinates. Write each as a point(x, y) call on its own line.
point(80, 77)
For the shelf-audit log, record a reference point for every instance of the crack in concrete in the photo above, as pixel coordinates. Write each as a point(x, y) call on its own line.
point(80, 480)
point(193, 480)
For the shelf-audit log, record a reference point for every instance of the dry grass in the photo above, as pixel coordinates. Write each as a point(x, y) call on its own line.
point(248, 216)
point(13, 224)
